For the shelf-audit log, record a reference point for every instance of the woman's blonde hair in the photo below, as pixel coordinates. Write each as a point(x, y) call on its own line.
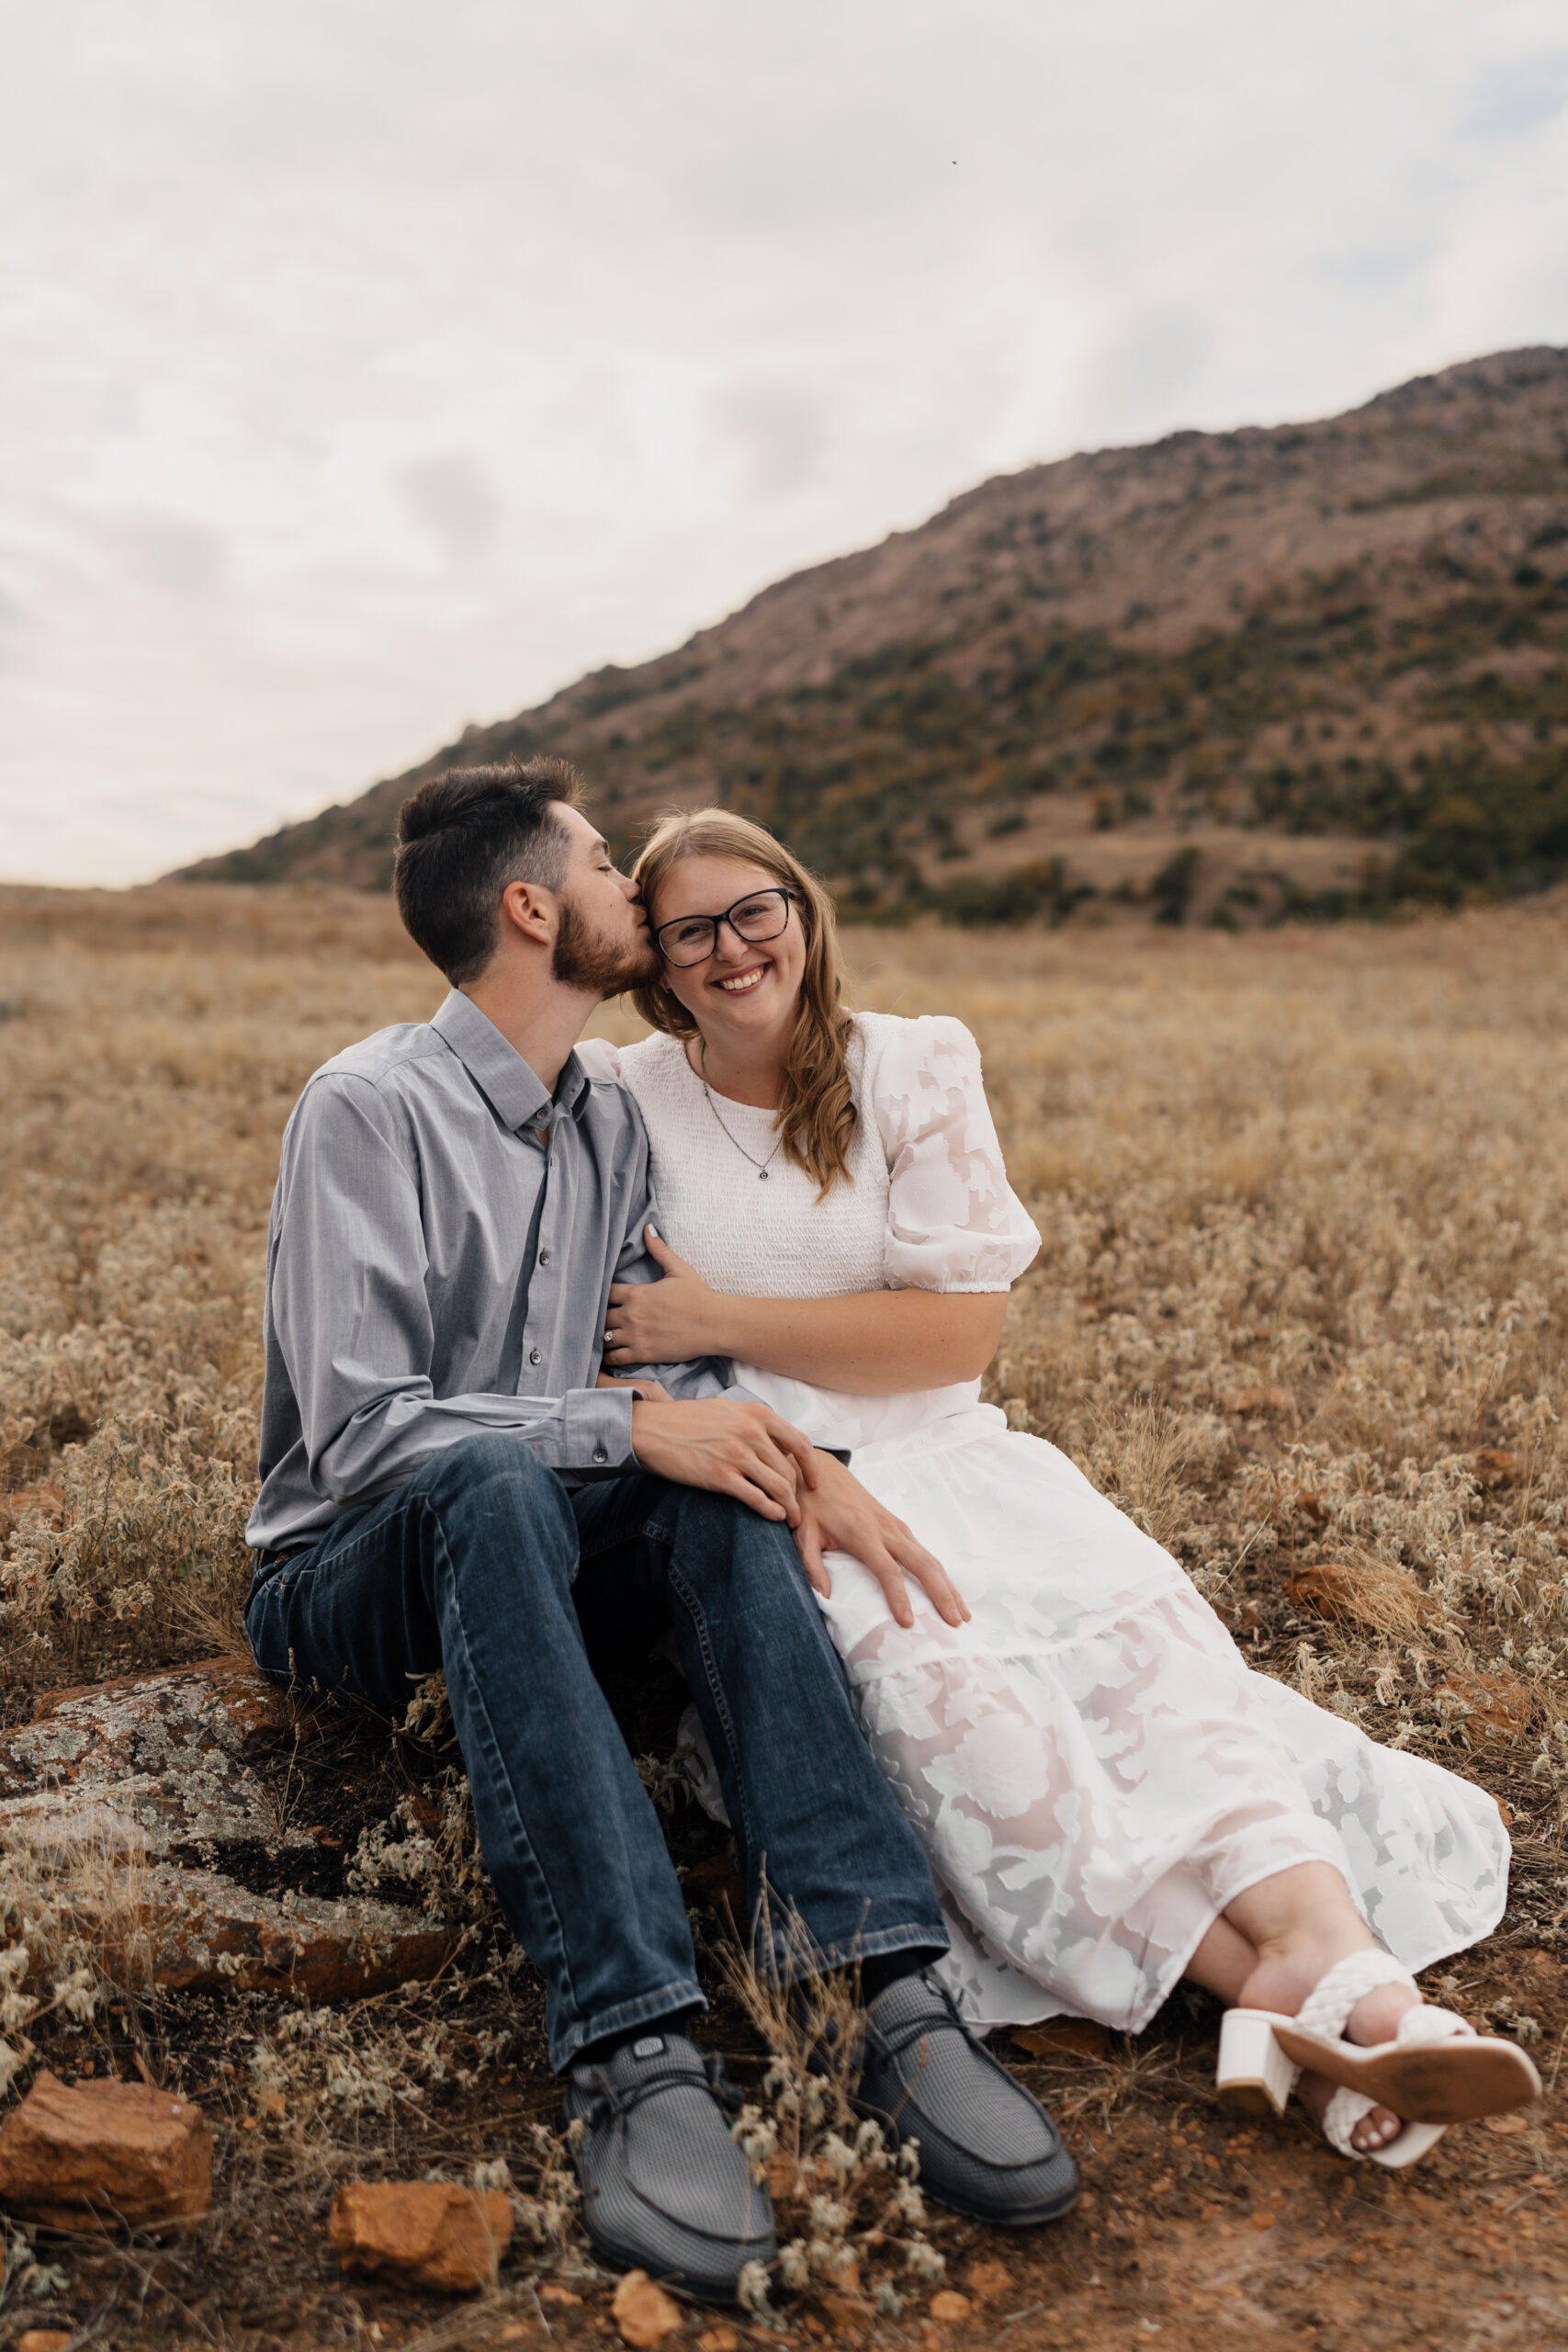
point(816, 1115)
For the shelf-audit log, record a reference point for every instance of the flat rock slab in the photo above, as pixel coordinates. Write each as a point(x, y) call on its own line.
point(182, 1798)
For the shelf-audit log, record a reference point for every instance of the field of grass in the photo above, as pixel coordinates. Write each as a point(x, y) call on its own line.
point(1302, 1308)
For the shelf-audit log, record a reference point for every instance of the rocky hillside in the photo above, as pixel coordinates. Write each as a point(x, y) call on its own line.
point(1312, 669)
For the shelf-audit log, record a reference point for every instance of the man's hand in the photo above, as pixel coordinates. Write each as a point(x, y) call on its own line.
point(839, 1516)
point(732, 1447)
point(667, 1321)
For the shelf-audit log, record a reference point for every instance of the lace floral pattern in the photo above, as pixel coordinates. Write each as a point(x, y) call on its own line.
point(1092, 1767)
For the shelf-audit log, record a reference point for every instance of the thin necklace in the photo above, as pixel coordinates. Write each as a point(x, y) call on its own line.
point(762, 1166)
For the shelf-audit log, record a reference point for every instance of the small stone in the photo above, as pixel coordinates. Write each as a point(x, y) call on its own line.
point(643, 2312)
point(1263, 2218)
point(558, 2295)
point(850, 2314)
point(95, 2154)
point(515, 2330)
point(988, 2281)
point(949, 2307)
point(719, 2339)
point(426, 2233)
point(45, 2339)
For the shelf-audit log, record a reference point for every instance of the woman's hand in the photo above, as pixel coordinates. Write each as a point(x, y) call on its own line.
point(837, 1515)
point(664, 1322)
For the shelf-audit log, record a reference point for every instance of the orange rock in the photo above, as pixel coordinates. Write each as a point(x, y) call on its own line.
point(988, 2281)
point(1263, 2219)
point(558, 2295)
point(1498, 1705)
point(643, 2312)
point(45, 2339)
point(97, 2154)
point(851, 2315)
point(949, 2307)
point(50, 1502)
point(427, 2232)
point(1064, 2037)
point(1259, 1400)
point(1377, 1596)
point(719, 2339)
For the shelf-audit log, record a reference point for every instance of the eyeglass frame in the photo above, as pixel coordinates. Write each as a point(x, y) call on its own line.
point(769, 890)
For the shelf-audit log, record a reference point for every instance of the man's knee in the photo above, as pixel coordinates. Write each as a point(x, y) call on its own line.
point(716, 1534)
point(491, 1486)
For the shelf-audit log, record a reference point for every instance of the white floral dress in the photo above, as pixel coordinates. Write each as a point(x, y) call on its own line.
point(1093, 1770)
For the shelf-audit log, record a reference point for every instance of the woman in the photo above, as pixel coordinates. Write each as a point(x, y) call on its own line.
point(1110, 1798)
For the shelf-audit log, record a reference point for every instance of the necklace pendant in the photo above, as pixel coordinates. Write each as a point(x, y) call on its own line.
point(762, 1175)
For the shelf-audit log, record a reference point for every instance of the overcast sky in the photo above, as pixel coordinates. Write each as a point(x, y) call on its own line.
point(367, 367)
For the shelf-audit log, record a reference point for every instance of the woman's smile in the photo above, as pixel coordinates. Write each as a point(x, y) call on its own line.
point(740, 983)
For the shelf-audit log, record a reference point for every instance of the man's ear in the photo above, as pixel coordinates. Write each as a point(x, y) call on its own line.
point(529, 911)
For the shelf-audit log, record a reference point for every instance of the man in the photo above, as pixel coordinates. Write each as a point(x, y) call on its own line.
point(443, 1485)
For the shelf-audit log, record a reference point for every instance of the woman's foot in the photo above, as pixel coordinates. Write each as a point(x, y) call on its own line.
point(1281, 1981)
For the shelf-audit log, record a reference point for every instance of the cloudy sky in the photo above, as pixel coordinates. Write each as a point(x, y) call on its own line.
point(367, 367)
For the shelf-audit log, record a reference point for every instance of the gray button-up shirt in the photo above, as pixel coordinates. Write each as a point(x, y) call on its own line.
point(444, 1237)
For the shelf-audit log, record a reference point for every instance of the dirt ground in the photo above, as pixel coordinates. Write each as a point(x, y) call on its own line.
point(1194, 2227)
point(1302, 1308)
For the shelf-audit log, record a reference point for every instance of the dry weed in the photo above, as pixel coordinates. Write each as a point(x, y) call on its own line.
point(1302, 1308)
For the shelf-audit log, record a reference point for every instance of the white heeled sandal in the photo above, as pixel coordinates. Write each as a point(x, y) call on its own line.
point(1436, 2071)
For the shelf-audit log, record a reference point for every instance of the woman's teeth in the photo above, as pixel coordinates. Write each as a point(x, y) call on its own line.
point(742, 981)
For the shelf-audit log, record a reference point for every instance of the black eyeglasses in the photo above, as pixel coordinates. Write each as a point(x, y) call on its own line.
point(690, 939)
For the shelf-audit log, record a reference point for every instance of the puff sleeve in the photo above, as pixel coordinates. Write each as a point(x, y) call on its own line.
point(954, 1223)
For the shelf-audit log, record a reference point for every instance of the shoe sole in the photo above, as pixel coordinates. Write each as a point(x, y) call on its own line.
point(625, 2257)
point(1441, 2082)
point(1030, 2220)
point(1034, 2218)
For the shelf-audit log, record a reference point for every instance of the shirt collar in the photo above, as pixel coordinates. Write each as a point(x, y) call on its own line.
point(499, 1070)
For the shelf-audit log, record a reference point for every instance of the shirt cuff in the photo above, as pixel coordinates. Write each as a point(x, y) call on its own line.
point(597, 1437)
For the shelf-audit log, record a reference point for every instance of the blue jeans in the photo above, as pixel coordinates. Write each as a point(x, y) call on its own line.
point(484, 1567)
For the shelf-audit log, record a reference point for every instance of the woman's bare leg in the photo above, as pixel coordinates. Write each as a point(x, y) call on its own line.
point(1297, 1923)
point(1222, 1961)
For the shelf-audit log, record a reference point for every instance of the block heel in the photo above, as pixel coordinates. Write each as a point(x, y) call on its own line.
point(1255, 2076)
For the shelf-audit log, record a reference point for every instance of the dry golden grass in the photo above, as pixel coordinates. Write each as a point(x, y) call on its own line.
point(1301, 1308)
point(1302, 1302)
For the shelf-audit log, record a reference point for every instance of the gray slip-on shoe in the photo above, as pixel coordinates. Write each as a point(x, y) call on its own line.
point(987, 2147)
point(665, 2188)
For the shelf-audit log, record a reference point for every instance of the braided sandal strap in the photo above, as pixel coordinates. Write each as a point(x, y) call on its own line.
point(1340, 2117)
point(1328, 2006)
point(1424, 2025)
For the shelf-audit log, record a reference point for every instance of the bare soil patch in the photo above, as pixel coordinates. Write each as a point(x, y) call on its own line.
point(1301, 1308)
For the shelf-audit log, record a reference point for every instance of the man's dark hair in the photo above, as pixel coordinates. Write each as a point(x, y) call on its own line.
point(462, 838)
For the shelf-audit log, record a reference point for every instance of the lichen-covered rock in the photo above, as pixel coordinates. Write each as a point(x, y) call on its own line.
point(94, 2156)
point(426, 2233)
point(186, 1782)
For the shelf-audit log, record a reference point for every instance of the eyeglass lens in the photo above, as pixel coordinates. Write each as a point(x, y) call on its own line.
point(692, 938)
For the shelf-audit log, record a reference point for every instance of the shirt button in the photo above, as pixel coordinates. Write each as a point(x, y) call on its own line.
point(533, 1356)
point(600, 1455)
point(544, 1257)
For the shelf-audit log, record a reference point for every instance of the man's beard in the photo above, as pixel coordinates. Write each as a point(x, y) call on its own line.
point(583, 959)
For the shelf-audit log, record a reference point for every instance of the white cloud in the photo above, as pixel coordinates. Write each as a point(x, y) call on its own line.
point(371, 368)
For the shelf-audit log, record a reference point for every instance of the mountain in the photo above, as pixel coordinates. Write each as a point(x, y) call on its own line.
point(1306, 669)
